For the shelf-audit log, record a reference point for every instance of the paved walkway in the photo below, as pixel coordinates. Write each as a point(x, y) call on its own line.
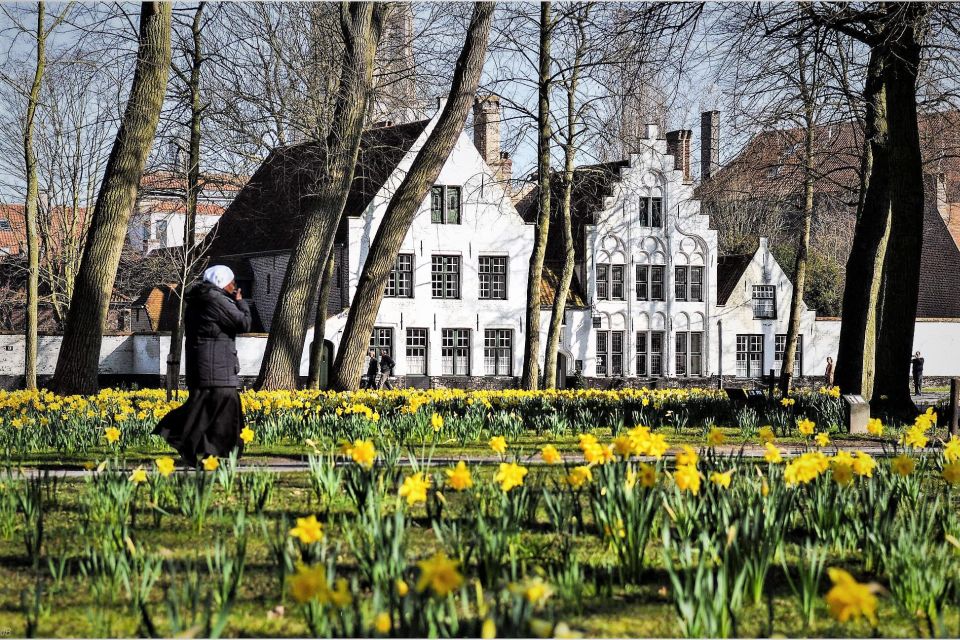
point(294, 465)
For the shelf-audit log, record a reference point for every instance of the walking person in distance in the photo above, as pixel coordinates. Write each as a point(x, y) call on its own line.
point(210, 421)
point(386, 369)
point(373, 370)
point(917, 366)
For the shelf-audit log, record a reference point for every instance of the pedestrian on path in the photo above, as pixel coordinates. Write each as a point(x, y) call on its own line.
point(828, 374)
point(386, 369)
point(373, 370)
point(210, 421)
point(917, 365)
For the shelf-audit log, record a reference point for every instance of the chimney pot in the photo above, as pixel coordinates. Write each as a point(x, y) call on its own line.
point(486, 136)
point(709, 144)
point(650, 131)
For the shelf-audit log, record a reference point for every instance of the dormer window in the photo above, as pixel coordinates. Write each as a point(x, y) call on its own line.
point(445, 205)
point(5, 225)
point(651, 212)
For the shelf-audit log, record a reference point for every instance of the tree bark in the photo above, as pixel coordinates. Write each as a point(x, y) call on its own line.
point(30, 210)
point(807, 93)
point(193, 192)
point(78, 361)
point(566, 219)
point(319, 324)
point(856, 354)
point(280, 368)
point(407, 200)
point(531, 349)
point(901, 270)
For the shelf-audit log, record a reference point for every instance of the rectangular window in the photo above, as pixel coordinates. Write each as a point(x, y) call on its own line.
point(603, 338)
point(5, 225)
point(656, 282)
point(493, 278)
point(596, 321)
point(616, 282)
point(642, 357)
point(696, 284)
point(603, 282)
point(749, 355)
point(651, 212)
point(764, 301)
point(498, 352)
point(616, 353)
point(680, 283)
point(779, 346)
point(445, 276)
point(656, 353)
point(680, 353)
point(643, 282)
point(696, 353)
point(400, 280)
point(417, 352)
point(455, 352)
point(445, 205)
point(161, 230)
point(382, 340)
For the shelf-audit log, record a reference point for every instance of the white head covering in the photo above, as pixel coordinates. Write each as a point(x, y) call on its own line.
point(218, 275)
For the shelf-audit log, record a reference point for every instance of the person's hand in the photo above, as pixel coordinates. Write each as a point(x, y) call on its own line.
point(237, 294)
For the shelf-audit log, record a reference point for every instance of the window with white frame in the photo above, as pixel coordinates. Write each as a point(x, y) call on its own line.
point(649, 353)
point(656, 353)
point(649, 282)
point(400, 280)
point(603, 281)
point(651, 212)
point(445, 205)
point(764, 301)
point(749, 355)
point(780, 346)
point(416, 352)
point(455, 352)
point(445, 276)
point(610, 282)
point(688, 353)
point(381, 339)
point(609, 353)
point(493, 277)
point(688, 284)
point(616, 282)
point(498, 352)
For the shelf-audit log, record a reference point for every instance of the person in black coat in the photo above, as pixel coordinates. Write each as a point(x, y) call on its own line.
point(210, 421)
point(917, 365)
point(373, 371)
point(386, 369)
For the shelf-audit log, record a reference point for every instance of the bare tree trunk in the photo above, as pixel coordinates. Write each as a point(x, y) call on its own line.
point(566, 219)
point(193, 192)
point(407, 200)
point(30, 211)
point(319, 324)
point(531, 349)
point(362, 24)
point(856, 354)
point(901, 270)
point(78, 361)
point(807, 93)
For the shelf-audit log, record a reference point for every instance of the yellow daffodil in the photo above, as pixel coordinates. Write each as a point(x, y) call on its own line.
point(579, 476)
point(772, 454)
point(805, 468)
point(715, 437)
point(722, 480)
point(849, 599)
point(246, 434)
point(509, 476)
point(788, 402)
point(308, 530)
point(363, 453)
point(112, 434)
point(903, 465)
point(402, 588)
point(210, 463)
point(488, 631)
point(806, 427)
point(951, 473)
point(340, 596)
point(842, 473)
point(382, 623)
point(623, 446)
point(498, 444)
point(687, 455)
point(439, 574)
point(436, 421)
point(687, 478)
point(766, 434)
point(138, 475)
point(309, 583)
point(951, 449)
point(459, 478)
point(864, 464)
point(822, 439)
point(165, 466)
point(914, 437)
point(646, 475)
point(414, 488)
point(550, 454)
point(875, 427)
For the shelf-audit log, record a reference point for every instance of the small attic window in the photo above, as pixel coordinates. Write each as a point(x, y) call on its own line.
point(5, 225)
point(774, 171)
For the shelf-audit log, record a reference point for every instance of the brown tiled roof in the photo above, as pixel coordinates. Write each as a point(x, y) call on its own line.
point(267, 215)
point(591, 184)
point(167, 205)
point(939, 265)
point(550, 280)
point(729, 271)
point(59, 227)
point(171, 181)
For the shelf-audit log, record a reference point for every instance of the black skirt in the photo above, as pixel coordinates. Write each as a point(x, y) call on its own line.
point(207, 424)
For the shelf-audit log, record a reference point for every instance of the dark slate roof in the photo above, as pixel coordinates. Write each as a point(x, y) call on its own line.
point(729, 271)
point(591, 184)
point(550, 280)
point(939, 265)
point(267, 215)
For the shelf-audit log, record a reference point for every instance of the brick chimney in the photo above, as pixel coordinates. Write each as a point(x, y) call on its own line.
point(678, 145)
point(486, 137)
point(709, 144)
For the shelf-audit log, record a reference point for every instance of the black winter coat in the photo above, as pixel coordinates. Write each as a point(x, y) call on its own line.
point(211, 323)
